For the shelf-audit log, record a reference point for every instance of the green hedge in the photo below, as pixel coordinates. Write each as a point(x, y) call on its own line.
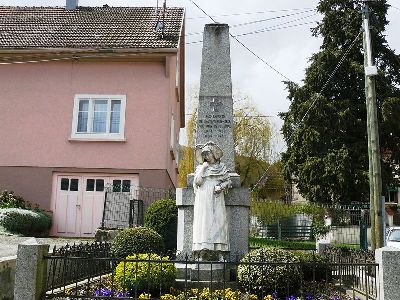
point(26, 222)
point(137, 240)
point(262, 278)
point(314, 266)
point(162, 216)
point(141, 275)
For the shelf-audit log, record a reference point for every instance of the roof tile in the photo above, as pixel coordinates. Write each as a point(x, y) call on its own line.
point(88, 27)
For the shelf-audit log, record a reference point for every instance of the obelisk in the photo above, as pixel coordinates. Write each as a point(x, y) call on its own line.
point(215, 114)
point(215, 123)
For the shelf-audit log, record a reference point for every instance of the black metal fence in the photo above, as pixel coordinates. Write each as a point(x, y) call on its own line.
point(343, 225)
point(75, 274)
point(64, 268)
point(286, 232)
point(124, 205)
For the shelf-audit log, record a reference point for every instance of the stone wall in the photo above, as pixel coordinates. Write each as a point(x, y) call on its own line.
point(7, 274)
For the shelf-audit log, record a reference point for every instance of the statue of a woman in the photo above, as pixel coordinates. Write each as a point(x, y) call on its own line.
point(211, 181)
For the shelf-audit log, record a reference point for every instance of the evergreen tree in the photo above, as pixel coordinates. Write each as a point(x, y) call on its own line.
point(327, 154)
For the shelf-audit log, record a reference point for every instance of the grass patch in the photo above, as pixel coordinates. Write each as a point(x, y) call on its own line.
point(347, 246)
point(261, 242)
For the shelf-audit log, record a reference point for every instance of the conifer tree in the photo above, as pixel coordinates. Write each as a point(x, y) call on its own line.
point(327, 154)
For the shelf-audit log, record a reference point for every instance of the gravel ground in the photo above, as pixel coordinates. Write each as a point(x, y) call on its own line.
point(9, 244)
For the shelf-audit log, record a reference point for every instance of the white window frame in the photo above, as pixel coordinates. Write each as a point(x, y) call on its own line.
point(95, 136)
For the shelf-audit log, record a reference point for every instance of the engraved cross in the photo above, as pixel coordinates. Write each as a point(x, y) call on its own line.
point(215, 104)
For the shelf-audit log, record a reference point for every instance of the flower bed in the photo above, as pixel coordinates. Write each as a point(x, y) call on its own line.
point(314, 291)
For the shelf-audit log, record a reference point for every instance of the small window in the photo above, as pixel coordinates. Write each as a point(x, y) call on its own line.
point(116, 185)
point(99, 185)
point(90, 185)
point(99, 117)
point(126, 185)
point(74, 185)
point(64, 184)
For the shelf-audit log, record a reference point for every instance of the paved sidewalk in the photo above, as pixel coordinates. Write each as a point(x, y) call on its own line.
point(9, 244)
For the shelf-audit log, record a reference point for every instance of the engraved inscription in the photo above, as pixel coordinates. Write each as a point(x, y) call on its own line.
point(214, 124)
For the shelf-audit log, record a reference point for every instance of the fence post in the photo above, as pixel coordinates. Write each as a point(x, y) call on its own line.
point(363, 236)
point(388, 259)
point(279, 231)
point(131, 212)
point(104, 208)
point(31, 270)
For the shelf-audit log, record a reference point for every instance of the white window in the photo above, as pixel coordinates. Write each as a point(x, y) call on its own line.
point(99, 117)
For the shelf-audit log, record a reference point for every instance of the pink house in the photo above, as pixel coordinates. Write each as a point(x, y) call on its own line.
point(89, 96)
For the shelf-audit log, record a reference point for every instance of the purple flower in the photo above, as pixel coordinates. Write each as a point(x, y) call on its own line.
point(291, 297)
point(275, 295)
point(120, 294)
point(309, 296)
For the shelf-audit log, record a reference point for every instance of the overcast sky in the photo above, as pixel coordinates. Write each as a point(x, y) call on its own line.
point(286, 49)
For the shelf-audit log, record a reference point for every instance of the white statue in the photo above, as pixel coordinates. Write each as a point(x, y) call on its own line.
point(211, 181)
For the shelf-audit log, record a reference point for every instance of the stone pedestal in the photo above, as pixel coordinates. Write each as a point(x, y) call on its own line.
point(31, 268)
point(237, 208)
point(388, 259)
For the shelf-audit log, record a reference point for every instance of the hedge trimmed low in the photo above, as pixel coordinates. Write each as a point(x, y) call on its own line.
point(137, 240)
point(282, 275)
point(26, 222)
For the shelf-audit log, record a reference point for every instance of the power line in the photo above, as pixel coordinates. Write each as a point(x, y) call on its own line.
point(270, 29)
point(275, 29)
point(244, 46)
point(256, 21)
point(394, 7)
point(243, 117)
point(250, 13)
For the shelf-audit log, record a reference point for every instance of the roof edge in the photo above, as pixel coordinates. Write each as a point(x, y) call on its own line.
point(88, 50)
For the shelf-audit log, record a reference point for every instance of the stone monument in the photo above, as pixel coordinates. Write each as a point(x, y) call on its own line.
point(215, 125)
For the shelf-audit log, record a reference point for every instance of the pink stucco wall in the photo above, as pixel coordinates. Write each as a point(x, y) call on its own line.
point(36, 105)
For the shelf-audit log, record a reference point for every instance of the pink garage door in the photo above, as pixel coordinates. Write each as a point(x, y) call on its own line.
point(78, 201)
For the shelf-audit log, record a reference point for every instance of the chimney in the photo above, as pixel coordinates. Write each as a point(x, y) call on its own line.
point(72, 4)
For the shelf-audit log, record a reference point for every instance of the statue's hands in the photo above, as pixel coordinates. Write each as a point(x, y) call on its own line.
point(204, 165)
point(217, 189)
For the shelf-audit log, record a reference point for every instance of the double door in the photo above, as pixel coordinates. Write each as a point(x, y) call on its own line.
point(79, 201)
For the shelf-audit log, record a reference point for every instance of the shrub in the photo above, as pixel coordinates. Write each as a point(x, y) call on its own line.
point(268, 278)
point(258, 242)
point(162, 216)
point(26, 222)
point(311, 264)
point(142, 275)
point(137, 240)
point(9, 200)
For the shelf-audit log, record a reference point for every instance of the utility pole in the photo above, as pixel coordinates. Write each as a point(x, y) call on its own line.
point(375, 178)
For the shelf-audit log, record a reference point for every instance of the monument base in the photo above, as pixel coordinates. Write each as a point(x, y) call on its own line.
point(210, 272)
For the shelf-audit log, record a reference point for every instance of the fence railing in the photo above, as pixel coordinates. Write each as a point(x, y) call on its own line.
point(343, 222)
point(74, 275)
point(285, 232)
point(124, 205)
point(63, 269)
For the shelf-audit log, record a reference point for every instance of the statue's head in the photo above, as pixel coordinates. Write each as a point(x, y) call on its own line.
point(209, 152)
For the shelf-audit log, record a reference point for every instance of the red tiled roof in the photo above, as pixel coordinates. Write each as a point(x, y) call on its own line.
point(87, 27)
